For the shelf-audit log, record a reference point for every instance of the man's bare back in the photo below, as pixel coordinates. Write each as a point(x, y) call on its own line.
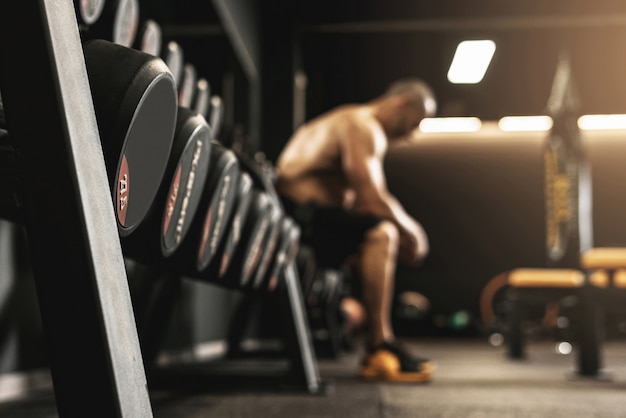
point(312, 167)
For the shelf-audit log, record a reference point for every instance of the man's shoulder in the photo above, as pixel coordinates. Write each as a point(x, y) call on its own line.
point(352, 116)
point(353, 110)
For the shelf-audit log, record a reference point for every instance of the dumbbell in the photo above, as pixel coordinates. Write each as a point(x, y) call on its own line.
point(10, 208)
point(187, 88)
point(216, 116)
point(224, 257)
point(306, 265)
point(285, 253)
point(319, 285)
point(88, 12)
point(117, 22)
point(325, 290)
point(135, 101)
point(262, 173)
point(149, 38)
point(168, 221)
point(173, 55)
point(202, 97)
point(268, 248)
point(229, 183)
point(247, 254)
point(3, 122)
point(218, 267)
point(203, 244)
point(261, 229)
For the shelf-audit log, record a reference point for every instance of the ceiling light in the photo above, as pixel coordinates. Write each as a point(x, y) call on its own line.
point(596, 122)
point(461, 124)
point(525, 123)
point(470, 61)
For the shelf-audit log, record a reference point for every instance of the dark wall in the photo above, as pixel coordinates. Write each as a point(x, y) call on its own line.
point(357, 66)
point(350, 51)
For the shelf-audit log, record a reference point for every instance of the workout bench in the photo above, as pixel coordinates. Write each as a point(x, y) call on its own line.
point(598, 286)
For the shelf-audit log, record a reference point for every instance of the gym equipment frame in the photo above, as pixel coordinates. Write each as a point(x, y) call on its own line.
point(62, 190)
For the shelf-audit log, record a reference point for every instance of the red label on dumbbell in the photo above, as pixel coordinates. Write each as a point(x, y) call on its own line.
point(224, 264)
point(205, 233)
point(233, 240)
point(123, 191)
point(172, 196)
point(264, 263)
point(219, 220)
point(273, 282)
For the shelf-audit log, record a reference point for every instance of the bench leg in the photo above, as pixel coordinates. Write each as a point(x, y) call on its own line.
point(590, 333)
point(516, 314)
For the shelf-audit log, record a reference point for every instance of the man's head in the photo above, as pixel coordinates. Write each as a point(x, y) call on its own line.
point(411, 100)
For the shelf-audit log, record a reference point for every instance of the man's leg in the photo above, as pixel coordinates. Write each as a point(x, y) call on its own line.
point(377, 271)
point(385, 359)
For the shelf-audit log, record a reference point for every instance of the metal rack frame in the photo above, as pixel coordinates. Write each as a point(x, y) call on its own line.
point(62, 189)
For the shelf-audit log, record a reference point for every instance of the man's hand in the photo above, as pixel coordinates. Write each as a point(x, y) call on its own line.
point(414, 246)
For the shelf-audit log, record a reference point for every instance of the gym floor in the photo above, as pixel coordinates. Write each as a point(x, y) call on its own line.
point(473, 379)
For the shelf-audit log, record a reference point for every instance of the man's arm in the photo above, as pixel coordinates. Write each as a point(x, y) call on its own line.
point(362, 158)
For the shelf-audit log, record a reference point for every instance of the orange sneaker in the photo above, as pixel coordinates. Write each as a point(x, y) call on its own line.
point(392, 363)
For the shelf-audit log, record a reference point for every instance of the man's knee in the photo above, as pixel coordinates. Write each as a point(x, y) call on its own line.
point(384, 233)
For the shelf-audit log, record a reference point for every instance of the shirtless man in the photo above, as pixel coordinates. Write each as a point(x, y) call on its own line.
point(331, 178)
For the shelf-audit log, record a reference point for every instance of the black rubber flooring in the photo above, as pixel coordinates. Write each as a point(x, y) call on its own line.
point(473, 379)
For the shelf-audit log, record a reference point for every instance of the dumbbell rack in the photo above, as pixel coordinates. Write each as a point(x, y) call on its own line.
point(293, 368)
point(61, 187)
point(301, 372)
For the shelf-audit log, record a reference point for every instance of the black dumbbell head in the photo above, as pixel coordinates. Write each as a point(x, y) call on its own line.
point(201, 100)
point(216, 116)
point(89, 11)
point(204, 243)
point(192, 148)
point(174, 58)
point(170, 217)
point(135, 100)
point(220, 262)
point(247, 255)
point(223, 189)
point(117, 23)
point(126, 22)
point(149, 38)
point(286, 252)
point(269, 246)
point(187, 88)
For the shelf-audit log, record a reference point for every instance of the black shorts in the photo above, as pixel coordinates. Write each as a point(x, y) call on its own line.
point(333, 233)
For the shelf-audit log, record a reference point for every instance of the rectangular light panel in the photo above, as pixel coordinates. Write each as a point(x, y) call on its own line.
point(470, 61)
